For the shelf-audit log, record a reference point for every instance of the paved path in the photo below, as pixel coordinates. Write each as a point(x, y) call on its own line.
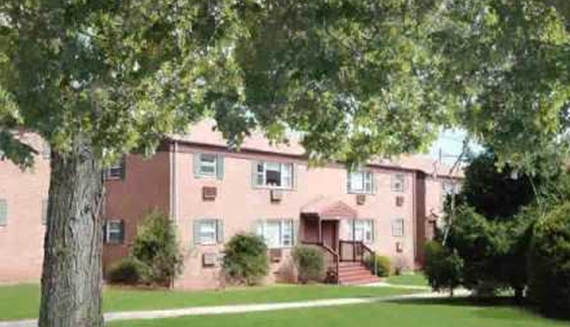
point(227, 309)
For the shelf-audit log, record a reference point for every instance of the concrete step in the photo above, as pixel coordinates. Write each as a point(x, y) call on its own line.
point(363, 273)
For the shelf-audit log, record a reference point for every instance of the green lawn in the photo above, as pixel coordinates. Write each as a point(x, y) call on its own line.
point(417, 279)
point(410, 314)
point(21, 301)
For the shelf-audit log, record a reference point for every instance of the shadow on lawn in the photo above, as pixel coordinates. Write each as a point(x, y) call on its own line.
point(501, 307)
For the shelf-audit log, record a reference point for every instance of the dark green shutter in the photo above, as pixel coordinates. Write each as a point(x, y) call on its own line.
point(296, 232)
point(124, 167)
point(122, 238)
point(220, 231)
point(254, 165)
point(195, 232)
point(373, 230)
point(3, 212)
point(220, 166)
point(104, 228)
point(348, 183)
point(196, 165)
point(294, 178)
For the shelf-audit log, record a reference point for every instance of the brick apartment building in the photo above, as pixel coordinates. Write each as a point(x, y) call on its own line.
point(212, 193)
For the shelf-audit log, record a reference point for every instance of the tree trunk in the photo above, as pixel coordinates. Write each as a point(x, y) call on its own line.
point(72, 273)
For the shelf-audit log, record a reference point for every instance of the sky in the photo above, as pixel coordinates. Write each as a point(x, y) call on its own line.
point(450, 143)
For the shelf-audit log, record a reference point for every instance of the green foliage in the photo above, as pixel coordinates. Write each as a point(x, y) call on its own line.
point(383, 265)
point(156, 250)
point(246, 261)
point(310, 263)
point(442, 267)
point(495, 193)
point(481, 244)
point(549, 264)
point(352, 75)
point(126, 271)
point(506, 64)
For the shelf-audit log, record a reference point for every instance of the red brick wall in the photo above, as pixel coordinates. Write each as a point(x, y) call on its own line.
point(144, 188)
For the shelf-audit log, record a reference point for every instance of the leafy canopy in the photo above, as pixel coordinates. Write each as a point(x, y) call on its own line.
point(352, 75)
point(507, 64)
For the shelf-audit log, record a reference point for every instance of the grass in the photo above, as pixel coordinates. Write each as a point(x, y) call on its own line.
point(416, 279)
point(22, 301)
point(404, 314)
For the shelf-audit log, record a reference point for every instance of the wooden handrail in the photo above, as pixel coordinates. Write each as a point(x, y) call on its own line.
point(364, 248)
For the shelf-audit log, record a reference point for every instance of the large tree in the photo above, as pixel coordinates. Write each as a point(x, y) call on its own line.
point(100, 78)
point(507, 64)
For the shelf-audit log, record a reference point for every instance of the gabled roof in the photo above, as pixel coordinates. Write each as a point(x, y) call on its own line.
point(204, 133)
point(327, 208)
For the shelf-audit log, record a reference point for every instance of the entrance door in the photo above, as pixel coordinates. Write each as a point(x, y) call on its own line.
point(329, 230)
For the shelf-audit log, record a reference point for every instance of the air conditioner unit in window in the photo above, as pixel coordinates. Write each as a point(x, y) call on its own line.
point(209, 193)
point(209, 259)
point(399, 247)
point(275, 255)
point(360, 199)
point(276, 195)
point(399, 201)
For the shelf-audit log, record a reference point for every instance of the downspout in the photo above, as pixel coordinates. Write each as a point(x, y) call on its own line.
point(173, 189)
point(175, 183)
point(415, 216)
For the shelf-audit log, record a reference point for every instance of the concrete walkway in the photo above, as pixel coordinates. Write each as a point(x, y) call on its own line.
point(228, 309)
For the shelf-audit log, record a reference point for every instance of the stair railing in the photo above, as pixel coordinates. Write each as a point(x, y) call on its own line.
point(357, 251)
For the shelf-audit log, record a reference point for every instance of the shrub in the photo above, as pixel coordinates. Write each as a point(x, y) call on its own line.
point(126, 271)
point(383, 265)
point(549, 263)
point(442, 267)
point(156, 250)
point(246, 261)
point(310, 263)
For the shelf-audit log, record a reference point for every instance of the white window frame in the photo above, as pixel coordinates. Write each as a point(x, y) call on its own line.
point(399, 179)
point(286, 171)
point(109, 230)
point(398, 227)
point(213, 165)
point(214, 231)
point(115, 171)
point(367, 230)
point(286, 238)
point(367, 178)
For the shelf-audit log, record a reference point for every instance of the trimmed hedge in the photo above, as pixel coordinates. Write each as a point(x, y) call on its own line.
point(126, 271)
point(383, 265)
point(246, 260)
point(310, 263)
point(549, 263)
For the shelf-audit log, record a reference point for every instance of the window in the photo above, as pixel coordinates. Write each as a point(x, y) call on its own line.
point(398, 227)
point(114, 231)
point(208, 165)
point(3, 212)
point(398, 183)
point(277, 233)
point(116, 170)
point(361, 182)
point(361, 230)
point(274, 175)
point(208, 232)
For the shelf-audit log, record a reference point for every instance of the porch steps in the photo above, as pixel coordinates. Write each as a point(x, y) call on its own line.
point(355, 273)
